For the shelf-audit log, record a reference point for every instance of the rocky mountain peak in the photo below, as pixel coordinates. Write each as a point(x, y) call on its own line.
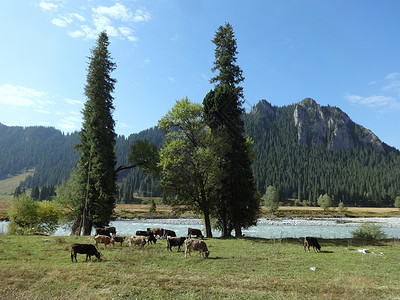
point(264, 110)
point(328, 126)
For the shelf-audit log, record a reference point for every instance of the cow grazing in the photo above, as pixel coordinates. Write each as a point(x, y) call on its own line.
point(311, 241)
point(149, 234)
point(87, 249)
point(196, 232)
point(118, 239)
point(175, 242)
point(156, 231)
point(197, 245)
point(103, 239)
point(168, 233)
point(137, 240)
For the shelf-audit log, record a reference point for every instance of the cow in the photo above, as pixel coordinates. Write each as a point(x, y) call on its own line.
point(103, 239)
point(111, 229)
point(175, 242)
point(102, 231)
point(87, 249)
point(168, 233)
point(137, 240)
point(311, 241)
point(118, 239)
point(198, 245)
point(196, 232)
point(156, 231)
point(148, 234)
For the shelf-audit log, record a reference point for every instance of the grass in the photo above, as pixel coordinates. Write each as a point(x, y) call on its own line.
point(8, 186)
point(35, 267)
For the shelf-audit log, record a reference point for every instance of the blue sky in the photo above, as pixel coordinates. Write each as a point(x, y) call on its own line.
point(341, 53)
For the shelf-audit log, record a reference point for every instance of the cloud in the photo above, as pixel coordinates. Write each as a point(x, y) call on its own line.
point(61, 21)
point(19, 96)
point(87, 22)
point(388, 97)
point(392, 76)
point(48, 6)
point(73, 101)
point(141, 15)
point(118, 11)
point(374, 101)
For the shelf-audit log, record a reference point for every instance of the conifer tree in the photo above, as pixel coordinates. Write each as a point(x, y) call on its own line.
point(237, 205)
point(96, 166)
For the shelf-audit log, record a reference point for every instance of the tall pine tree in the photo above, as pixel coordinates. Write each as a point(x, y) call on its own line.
point(96, 166)
point(238, 205)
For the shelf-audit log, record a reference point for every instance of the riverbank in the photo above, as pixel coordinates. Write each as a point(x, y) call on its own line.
point(131, 211)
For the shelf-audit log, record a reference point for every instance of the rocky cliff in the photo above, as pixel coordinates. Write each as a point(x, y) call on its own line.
point(322, 126)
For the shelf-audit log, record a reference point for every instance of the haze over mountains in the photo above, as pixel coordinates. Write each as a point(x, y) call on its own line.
point(303, 149)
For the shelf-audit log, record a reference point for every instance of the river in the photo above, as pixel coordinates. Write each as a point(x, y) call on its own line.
point(266, 228)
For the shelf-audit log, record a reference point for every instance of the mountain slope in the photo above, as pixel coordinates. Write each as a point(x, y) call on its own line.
point(306, 150)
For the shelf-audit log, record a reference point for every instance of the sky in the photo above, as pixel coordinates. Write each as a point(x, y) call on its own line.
point(343, 53)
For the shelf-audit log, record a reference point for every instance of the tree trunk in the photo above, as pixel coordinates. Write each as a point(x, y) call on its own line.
point(238, 231)
point(207, 222)
point(77, 226)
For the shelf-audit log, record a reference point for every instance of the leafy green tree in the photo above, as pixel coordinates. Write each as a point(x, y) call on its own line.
point(397, 202)
point(341, 208)
point(237, 205)
point(153, 206)
point(325, 201)
point(188, 165)
point(271, 199)
point(96, 166)
point(27, 215)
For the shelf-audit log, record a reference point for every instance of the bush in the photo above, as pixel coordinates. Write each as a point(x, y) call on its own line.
point(27, 216)
point(368, 232)
point(325, 201)
point(271, 199)
point(397, 202)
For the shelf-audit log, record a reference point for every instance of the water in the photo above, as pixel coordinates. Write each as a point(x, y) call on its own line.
point(266, 228)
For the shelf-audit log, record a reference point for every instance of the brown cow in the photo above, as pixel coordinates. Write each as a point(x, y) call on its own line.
point(311, 241)
point(156, 231)
point(198, 245)
point(103, 239)
point(118, 239)
point(196, 232)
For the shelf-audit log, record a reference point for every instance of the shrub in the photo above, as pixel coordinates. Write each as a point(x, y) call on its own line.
point(368, 232)
point(397, 202)
point(325, 201)
point(271, 199)
point(27, 216)
point(342, 208)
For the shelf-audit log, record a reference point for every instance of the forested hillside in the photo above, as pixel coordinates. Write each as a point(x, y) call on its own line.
point(336, 156)
point(303, 149)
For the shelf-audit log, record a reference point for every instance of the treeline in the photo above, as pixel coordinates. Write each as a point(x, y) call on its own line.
point(359, 176)
point(45, 149)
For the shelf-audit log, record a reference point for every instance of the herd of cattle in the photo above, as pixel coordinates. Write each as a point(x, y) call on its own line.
point(108, 236)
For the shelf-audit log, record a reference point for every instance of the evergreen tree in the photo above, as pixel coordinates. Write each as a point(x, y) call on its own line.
point(35, 193)
point(96, 166)
point(237, 204)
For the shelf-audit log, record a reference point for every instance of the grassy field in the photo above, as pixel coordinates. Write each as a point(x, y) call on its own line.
point(37, 267)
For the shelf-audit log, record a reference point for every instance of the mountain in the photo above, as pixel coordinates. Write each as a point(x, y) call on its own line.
point(304, 150)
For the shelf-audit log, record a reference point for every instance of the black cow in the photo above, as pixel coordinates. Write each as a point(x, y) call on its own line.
point(311, 241)
point(111, 229)
point(151, 236)
point(196, 232)
point(87, 249)
point(102, 231)
point(175, 242)
point(168, 233)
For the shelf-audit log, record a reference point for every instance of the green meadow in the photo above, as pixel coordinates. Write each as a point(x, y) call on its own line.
point(40, 267)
